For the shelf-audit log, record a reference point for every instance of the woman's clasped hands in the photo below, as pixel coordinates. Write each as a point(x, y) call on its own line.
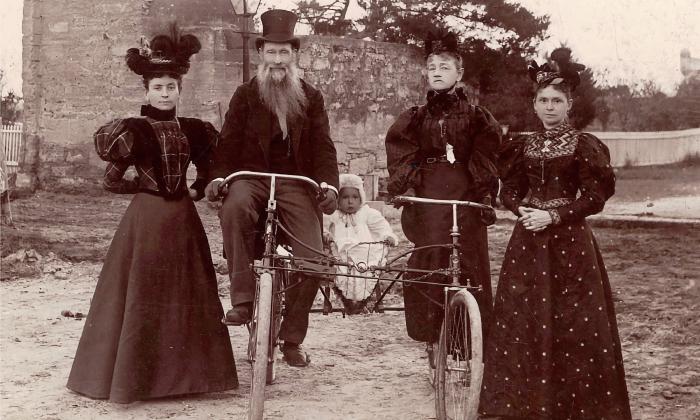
point(534, 219)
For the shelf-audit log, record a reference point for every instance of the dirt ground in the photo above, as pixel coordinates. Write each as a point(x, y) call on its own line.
point(363, 367)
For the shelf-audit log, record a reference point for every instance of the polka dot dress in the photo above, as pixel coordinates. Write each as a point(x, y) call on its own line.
point(553, 350)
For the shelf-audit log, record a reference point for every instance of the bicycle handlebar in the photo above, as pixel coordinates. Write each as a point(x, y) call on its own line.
point(421, 200)
point(229, 179)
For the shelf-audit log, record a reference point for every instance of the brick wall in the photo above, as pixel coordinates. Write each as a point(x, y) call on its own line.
point(75, 79)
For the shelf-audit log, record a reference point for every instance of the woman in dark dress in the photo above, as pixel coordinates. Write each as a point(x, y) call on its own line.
point(554, 349)
point(154, 326)
point(445, 149)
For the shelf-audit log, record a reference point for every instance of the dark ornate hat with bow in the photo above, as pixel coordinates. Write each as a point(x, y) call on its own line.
point(278, 26)
point(559, 70)
point(164, 54)
point(441, 41)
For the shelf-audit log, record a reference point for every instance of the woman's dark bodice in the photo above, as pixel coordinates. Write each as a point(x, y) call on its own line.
point(563, 171)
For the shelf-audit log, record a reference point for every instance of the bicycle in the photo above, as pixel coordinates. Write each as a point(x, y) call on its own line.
point(457, 368)
point(273, 280)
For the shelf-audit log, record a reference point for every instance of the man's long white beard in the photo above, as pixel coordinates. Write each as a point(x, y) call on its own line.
point(281, 92)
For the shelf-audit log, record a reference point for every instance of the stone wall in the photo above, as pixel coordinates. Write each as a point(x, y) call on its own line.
point(75, 79)
point(366, 85)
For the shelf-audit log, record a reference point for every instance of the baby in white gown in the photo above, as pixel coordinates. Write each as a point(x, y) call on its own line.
point(350, 227)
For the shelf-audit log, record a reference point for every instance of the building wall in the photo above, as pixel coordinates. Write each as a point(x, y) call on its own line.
point(75, 80)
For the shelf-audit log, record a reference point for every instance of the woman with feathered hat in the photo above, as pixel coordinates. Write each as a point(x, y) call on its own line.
point(554, 349)
point(445, 149)
point(154, 326)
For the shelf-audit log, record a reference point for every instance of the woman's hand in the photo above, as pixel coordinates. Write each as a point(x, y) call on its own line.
point(409, 193)
point(389, 240)
point(487, 216)
point(534, 219)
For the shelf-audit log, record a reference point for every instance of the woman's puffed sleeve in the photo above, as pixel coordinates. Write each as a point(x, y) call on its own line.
point(116, 143)
point(596, 177)
point(511, 171)
point(202, 145)
point(402, 153)
point(118, 140)
point(486, 134)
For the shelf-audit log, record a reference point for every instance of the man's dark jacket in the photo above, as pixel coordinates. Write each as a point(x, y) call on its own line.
point(248, 130)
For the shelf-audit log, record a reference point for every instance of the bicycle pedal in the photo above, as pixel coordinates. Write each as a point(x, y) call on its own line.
point(233, 324)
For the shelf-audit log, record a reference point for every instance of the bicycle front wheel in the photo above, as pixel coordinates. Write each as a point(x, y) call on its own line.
point(261, 335)
point(459, 360)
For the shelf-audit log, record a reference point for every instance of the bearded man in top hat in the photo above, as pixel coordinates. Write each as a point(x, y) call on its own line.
point(275, 123)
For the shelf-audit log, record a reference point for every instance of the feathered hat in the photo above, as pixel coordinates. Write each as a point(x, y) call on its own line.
point(559, 70)
point(441, 41)
point(164, 54)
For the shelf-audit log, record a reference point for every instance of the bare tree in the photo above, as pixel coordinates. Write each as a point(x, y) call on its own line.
point(329, 18)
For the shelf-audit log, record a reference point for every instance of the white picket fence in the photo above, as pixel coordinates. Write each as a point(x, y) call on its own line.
point(12, 136)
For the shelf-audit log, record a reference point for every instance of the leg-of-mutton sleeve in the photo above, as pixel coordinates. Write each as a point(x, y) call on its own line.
point(486, 134)
point(115, 142)
point(511, 170)
point(402, 153)
point(596, 177)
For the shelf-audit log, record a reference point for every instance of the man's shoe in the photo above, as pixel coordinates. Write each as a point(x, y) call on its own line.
point(294, 355)
point(240, 314)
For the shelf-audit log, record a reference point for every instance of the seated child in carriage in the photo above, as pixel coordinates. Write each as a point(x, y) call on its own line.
point(361, 234)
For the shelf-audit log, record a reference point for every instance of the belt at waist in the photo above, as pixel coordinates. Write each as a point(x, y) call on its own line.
point(438, 159)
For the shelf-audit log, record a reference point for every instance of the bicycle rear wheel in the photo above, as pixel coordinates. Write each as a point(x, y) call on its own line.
point(459, 360)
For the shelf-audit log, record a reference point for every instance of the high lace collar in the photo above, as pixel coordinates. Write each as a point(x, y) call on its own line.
point(157, 114)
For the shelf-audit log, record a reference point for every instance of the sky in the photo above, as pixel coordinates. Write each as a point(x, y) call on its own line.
point(627, 40)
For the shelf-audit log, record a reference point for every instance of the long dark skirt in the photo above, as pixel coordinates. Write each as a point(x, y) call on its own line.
point(554, 349)
point(154, 326)
point(431, 224)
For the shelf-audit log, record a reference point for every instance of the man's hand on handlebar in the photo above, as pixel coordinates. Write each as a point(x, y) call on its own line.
point(215, 190)
point(328, 201)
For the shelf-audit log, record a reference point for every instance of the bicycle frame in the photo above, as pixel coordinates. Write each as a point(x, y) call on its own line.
point(454, 231)
point(263, 343)
point(266, 286)
point(456, 295)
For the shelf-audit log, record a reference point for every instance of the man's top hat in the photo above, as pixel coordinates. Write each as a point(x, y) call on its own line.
point(278, 26)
